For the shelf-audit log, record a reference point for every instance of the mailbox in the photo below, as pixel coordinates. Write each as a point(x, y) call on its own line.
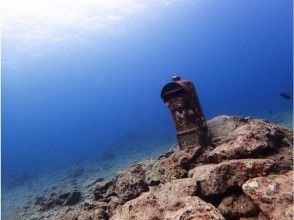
point(181, 99)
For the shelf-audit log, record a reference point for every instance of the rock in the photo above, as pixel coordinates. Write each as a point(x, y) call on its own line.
point(190, 183)
point(184, 157)
point(217, 178)
point(44, 203)
point(88, 205)
point(39, 200)
point(104, 189)
point(131, 184)
point(113, 203)
point(95, 214)
point(234, 206)
point(73, 198)
point(179, 187)
point(247, 140)
point(283, 159)
point(156, 205)
point(173, 165)
point(273, 194)
point(219, 127)
point(61, 198)
point(260, 216)
point(164, 170)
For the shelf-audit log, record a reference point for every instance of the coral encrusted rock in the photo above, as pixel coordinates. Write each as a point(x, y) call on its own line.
point(162, 205)
point(273, 194)
point(249, 139)
point(217, 178)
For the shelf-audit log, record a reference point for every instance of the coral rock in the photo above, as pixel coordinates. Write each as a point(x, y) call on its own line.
point(131, 184)
point(234, 206)
point(247, 140)
point(219, 127)
point(157, 205)
point(217, 178)
point(273, 194)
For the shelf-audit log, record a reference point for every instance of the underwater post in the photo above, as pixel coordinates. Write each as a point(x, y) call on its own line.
point(181, 98)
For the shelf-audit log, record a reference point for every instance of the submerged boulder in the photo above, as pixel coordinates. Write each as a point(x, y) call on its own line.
point(220, 126)
point(247, 140)
point(234, 206)
point(162, 205)
point(104, 189)
point(273, 194)
point(131, 184)
point(217, 178)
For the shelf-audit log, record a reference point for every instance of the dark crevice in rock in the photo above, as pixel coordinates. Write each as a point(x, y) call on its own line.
point(217, 198)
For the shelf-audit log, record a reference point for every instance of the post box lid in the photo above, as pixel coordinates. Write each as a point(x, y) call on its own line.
point(174, 87)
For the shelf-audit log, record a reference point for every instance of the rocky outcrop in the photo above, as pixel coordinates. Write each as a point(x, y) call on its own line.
point(217, 178)
point(103, 190)
point(162, 205)
point(242, 174)
point(131, 184)
point(273, 194)
point(248, 140)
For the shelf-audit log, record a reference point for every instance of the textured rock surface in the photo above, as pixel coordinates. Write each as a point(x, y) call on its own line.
point(94, 214)
point(273, 194)
point(283, 158)
point(157, 205)
point(180, 187)
point(103, 189)
point(171, 166)
point(234, 206)
point(193, 183)
point(219, 127)
point(131, 184)
point(260, 216)
point(250, 139)
point(217, 178)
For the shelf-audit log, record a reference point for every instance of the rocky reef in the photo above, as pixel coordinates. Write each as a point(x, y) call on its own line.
point(244, 173)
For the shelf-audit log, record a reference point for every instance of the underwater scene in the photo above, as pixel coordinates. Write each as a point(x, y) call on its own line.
point(82, 99)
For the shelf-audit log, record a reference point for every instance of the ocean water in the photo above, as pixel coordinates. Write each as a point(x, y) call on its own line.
point(81, 80)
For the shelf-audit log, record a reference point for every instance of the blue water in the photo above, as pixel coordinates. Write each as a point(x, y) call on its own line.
point(72, 89)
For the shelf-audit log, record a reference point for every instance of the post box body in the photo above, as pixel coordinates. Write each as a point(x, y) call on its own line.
point(181, 98)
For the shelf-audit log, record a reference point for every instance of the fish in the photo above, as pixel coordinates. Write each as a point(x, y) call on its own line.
point(286, 95)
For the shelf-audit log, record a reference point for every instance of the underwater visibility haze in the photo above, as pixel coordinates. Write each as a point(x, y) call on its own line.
point(82, 79)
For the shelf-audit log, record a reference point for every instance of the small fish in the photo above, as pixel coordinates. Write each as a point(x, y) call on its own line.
point(286, 95)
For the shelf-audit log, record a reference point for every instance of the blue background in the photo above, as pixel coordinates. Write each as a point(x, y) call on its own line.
point(78, 98)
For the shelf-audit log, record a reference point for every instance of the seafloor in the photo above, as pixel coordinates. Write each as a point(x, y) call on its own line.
point(83, 174)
